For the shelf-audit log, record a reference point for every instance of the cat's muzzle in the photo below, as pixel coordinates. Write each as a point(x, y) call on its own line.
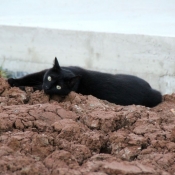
point(45, 88)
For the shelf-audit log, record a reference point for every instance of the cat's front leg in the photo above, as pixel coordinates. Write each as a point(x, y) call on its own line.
point(16, 83)
point(34, 80)
point(13, 82)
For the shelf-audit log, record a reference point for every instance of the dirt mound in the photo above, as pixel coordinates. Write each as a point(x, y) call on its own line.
point(82, 135)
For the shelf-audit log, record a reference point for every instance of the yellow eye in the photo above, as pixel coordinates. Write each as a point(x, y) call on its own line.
point(58, 87)
point(49, 78)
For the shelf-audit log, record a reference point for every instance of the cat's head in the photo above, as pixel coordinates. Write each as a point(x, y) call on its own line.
point(60, 81)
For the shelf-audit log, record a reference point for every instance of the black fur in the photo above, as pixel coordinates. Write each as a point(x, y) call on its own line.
point(120, 89)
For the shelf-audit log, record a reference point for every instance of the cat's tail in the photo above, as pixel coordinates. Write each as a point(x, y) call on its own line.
point(153, 98)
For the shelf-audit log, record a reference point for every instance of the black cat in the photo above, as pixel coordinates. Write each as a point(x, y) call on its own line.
point(120, 89)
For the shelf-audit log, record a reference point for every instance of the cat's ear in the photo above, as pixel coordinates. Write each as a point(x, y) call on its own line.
point(56, 65)
point(73, 80)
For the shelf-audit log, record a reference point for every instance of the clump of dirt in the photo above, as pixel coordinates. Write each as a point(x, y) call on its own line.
point(82, 135)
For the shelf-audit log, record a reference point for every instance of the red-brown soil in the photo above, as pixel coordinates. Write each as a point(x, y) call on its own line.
point(82, 135)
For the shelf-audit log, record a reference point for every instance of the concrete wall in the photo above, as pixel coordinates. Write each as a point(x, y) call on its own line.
point(33, 49)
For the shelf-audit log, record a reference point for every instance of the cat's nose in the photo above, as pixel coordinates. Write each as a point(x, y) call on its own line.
point(46, 87)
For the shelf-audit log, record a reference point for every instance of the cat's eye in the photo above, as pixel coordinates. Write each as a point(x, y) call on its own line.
point(58, 87)
point(49, 78)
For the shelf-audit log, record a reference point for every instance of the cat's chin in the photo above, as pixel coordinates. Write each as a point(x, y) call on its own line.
point(51, 92)
point(47, 92)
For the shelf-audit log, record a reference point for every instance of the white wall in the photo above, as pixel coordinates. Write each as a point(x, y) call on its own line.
point(135, 37)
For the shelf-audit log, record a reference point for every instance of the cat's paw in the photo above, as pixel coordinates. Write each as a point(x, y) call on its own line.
point(12, 82)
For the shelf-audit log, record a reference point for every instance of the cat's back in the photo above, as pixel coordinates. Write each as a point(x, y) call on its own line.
point(121, 89)
point(101, 82)
point(115, 79)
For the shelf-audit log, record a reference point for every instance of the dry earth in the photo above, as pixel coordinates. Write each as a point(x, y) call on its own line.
point(82, 135)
